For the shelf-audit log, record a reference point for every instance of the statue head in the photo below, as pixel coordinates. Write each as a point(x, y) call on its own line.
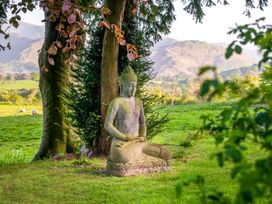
point(128, 82)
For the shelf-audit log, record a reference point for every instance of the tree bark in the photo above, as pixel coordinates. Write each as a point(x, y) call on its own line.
point(53, 84)
point(109, 69)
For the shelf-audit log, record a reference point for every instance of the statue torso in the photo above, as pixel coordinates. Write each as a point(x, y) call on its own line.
point(127, 116)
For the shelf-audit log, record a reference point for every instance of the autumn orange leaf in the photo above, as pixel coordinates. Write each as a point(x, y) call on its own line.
point(136, 55)
point(77, 12)
point(65, 50)
point(130, 56)
point(105, 11)
point(52, 50)
point(73, 46)
point(131, 47)
point(52, 18)
point(114, 27)
point(59, 27)
point(76, 27)
point(63, 34)
point(104, 24)
point(44, 69)
point(71, 18)
point(119, 33)
point(134, 11)
point(122, 42)
point(71, 34)
point(88, 8)
point(80, 24)
point(59, 45)
point(51, 61)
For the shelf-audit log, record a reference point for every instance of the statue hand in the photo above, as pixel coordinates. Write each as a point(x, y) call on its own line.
point(141, 139)
point(128, 138)
point(119, 144)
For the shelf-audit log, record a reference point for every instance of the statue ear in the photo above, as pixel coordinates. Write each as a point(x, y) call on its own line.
point(119, 82)
point(120, 85)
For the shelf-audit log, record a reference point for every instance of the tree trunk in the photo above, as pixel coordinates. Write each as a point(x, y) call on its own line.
point(109, 69)
point(53, 85)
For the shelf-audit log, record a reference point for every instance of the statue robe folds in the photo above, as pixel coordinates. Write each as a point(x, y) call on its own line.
point(130, 153)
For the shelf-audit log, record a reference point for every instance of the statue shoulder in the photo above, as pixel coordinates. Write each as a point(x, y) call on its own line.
point(116, 101)
point(138, 101)
point(114, 105)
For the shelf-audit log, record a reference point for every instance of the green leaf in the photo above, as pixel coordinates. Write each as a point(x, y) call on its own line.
point(260, 19)
point(205, 69)
point(24, 10)
point(218, 138)
point(15, 24)
point(238, 49)
point(204, 88)
point(178, 189)
point(235, 170)
point(18, 17)
point(30, 7)
point(220, 159)
point(229, 53)
point(234, 153)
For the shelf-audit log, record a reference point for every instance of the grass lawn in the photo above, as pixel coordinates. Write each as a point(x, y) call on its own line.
point(19, 84)
point(83, 182)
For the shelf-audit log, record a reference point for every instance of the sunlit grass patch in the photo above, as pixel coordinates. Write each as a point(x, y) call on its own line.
point(13, 110)
point(19, 84)
point(19, 135)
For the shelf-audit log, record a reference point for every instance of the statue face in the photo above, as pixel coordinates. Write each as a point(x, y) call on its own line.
point(128, 88)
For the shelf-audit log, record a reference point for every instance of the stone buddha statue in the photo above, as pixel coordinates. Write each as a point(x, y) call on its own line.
point(130, 153)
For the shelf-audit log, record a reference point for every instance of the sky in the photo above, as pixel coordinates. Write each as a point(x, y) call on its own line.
point(216, 23)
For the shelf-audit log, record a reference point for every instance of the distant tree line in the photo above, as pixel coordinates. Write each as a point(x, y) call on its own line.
point(178, 92)
point(19, 76)
point(20, 96)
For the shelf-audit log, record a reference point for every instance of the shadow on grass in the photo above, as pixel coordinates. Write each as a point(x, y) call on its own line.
point(92, 171)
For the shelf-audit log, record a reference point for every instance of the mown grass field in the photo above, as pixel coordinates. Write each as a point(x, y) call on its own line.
point(84, 182)
point(19, 84)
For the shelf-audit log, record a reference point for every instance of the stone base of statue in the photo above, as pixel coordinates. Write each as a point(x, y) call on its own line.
point(144, 166)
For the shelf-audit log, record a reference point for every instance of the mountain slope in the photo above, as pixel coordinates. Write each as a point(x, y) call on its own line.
point(18, 45)
point(242, 71)
point(23, 55)
point(172, 58)
point(183, 58)
point(30, 31)
point(30, 54)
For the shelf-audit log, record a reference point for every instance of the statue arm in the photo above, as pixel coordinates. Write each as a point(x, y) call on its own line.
point(111, 113)
point(142, 131)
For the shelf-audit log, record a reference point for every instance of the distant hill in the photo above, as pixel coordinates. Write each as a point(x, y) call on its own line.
point(30, 54)
point(25, 43)
point(242, 71)
point(30, 31)
point(172, 58)
point(18, 45)
point(183, 58)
